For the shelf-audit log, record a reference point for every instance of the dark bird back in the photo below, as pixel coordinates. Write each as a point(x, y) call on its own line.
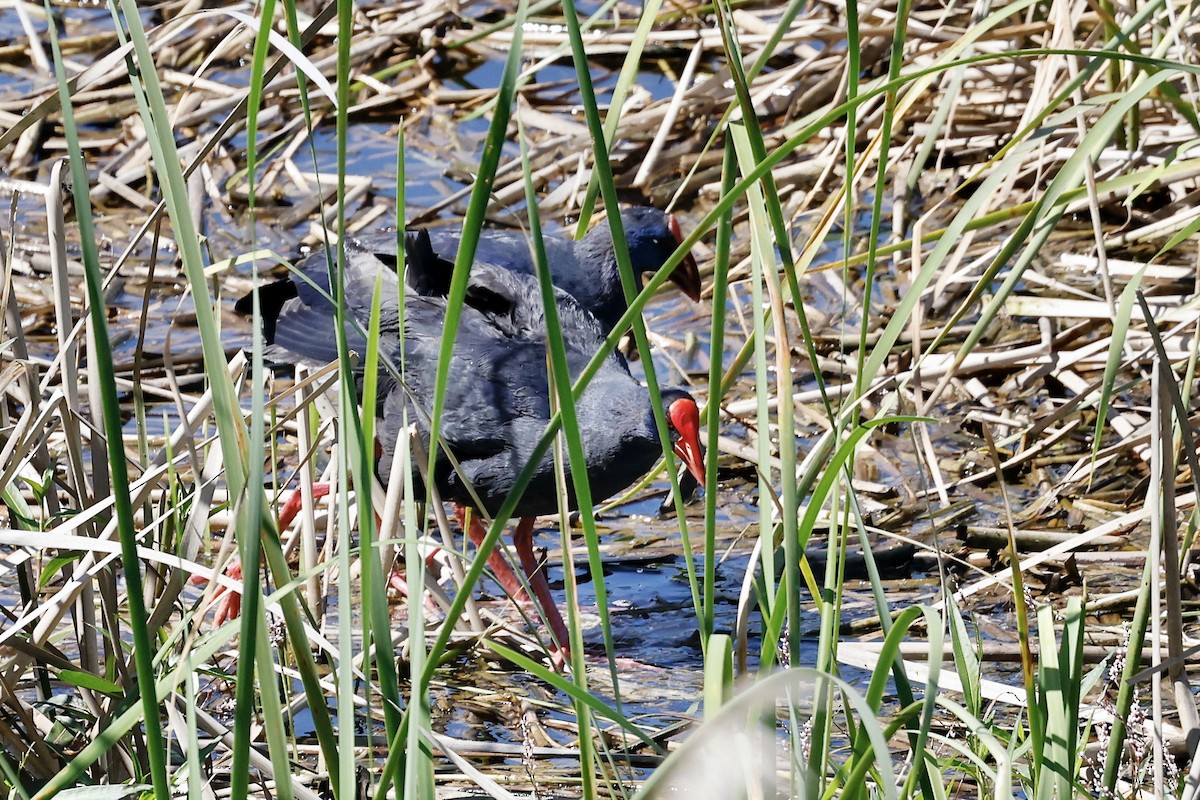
point(497, 401)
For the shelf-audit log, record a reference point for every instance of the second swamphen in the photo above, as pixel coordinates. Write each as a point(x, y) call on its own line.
point(497, 396)
point(585, 268)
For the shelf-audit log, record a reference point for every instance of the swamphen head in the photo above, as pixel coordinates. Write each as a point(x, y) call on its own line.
point(652, 236)
point(683, 418)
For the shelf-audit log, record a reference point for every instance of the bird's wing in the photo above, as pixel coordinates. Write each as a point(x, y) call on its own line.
point(493, 378)
point(306, 296)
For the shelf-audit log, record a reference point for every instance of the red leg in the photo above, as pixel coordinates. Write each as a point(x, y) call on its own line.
point(523, 541)
point(507, 579)
point(227, 602)
point(396, 579)
point(292, 507)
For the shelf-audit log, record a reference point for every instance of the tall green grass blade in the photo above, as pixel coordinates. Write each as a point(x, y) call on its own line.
point(1060, 674)
point(1126, 688)
point(766, 217)
point(143, 653)
point(231, 429)
point(1037, 721)
point(355, 460)
point(889, 651)
point(630, 68)
point(790, 490)
point(712, 410)
point(560, 380)
point(476, 210)
point(718, 673)
point(760, 249)
point(195, 785)
point(262, 661)
point(419, 775)
point(602, 171)
point(849, 190)
point(919, 739)
point(352, 454)
point(472, 225)
point(344, 677)
point(376, 618)
point(889, 114)
point(273, 723)
point(355, 463)
point(966, 658)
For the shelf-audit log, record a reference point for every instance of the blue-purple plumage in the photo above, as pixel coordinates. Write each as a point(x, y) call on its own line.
point(585, 269)
point(497, 398)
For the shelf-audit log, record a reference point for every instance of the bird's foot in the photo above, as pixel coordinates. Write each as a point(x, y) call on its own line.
point(226, 601)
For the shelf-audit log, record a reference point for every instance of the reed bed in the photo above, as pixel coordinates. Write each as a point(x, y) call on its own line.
point(948, 353)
